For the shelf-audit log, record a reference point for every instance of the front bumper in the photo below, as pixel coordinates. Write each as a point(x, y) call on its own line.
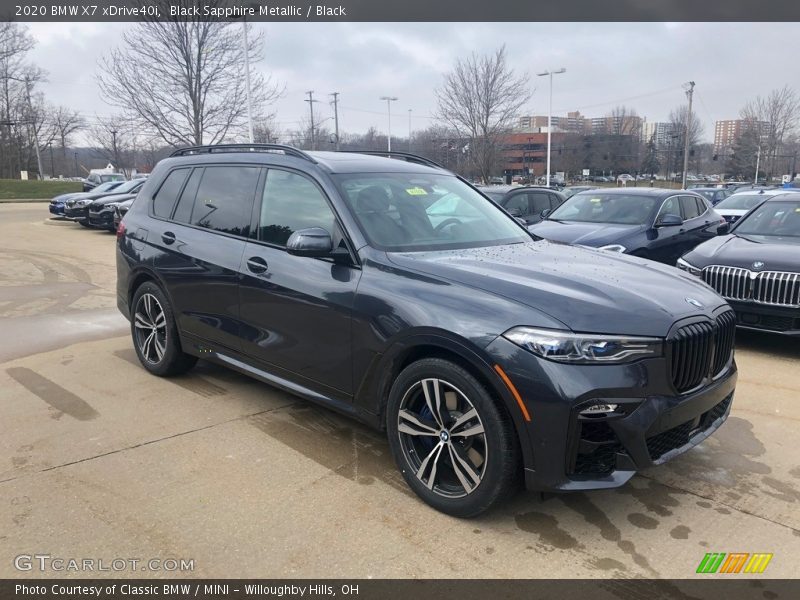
point(103, 219)
point(56, 209)
point(652, 424)
point(76, 213)
point(762, 317)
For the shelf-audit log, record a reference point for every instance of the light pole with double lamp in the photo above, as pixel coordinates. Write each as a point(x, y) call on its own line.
point(550, 117)
point(389, 100)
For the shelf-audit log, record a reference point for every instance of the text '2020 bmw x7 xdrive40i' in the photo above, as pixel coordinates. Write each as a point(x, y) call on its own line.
point(391, 290)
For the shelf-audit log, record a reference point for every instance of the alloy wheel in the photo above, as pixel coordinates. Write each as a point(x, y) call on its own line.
point(150, 328)
point(442, 438)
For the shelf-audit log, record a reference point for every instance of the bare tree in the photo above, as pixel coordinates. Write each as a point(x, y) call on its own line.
point(66, 122)
point(184, 80)
point(115, 141)
point(481, 99)
point(266, 131)
point(16, 79)
point(775, 119)
point(678, 118)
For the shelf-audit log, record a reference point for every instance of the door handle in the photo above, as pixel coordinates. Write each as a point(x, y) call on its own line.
point(256, 264)
point(168, 237)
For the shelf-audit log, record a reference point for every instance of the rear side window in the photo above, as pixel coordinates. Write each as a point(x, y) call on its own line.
point(166, 195)
point(689, 206)
point(539, 202)
point(291, 202)
point(518, 202)
point(224, 200)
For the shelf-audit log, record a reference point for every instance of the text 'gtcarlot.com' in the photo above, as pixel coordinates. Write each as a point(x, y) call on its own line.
point(46, 562)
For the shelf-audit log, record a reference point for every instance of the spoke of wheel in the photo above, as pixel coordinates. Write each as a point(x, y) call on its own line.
point(161, 320)
point(148, 306)
point(463, 419)
point(141, 321)
point(159, 346)
point(413, 425)
point(433, 399)
point(463, 469)
point(147, 345)
point(433, 454)
point(474, 430)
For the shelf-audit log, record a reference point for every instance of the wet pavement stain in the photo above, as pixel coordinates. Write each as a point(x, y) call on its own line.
point(703, 504)
point(642, 521)
point(53, 394)
point(343, 446)
point(655, 496)
point(680, 532)
point(723, 511)
point(546, 527)
point(795, 472)
point(783, 491)
point(608, 564)
point(581, 504)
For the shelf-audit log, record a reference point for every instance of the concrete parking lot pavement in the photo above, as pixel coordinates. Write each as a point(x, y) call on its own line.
point(100, 460)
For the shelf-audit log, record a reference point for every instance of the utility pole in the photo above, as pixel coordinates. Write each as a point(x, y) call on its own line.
point(389, 100)
point(336, 116)
point(689, 94)
point(758, 162)
point(114, 147)
point(247, 80)
point(310, 100)
point(409, 130)
point(52, 168)
point(75, 156)
point(31, 121)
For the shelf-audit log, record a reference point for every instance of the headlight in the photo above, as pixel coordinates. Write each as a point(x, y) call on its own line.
point(585, 348)
point(614, 248)
point(691, 269)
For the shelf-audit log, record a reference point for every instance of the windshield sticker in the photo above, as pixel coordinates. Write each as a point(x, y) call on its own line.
point(595, 200)
point(416, 191)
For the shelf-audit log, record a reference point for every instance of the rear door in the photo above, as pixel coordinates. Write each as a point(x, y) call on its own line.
point(696, 221)
point(538, 202)
point(202, 241)
point(296, 311)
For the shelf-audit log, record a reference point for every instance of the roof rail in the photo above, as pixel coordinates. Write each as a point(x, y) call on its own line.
point(406, 156)
point(287, 150)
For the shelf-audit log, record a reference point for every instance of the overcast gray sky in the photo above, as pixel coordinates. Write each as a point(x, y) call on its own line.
point(641, 65)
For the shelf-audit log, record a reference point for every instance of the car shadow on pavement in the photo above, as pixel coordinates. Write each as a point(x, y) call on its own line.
point(768, 343)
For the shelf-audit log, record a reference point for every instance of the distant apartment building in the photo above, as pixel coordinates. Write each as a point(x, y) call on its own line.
point(726, 132)
point(575, 122)
point(658, 131)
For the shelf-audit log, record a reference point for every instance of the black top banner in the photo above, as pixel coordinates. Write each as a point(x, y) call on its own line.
point(401, 10)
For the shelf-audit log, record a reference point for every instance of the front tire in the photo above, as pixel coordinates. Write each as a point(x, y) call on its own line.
point(155, 334)
point(454, 444)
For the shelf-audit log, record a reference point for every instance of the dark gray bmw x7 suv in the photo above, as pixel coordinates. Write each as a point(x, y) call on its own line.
point(391, 290)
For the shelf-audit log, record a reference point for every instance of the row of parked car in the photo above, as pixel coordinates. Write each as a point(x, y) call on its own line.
point(102, 206)
point(683, 228)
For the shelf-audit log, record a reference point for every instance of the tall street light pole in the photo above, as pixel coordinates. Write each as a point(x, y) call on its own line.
point(336, 115)
point(409, 130)
point(550, 117)
point(310, 100)
point(689, 94)
point(389, 100)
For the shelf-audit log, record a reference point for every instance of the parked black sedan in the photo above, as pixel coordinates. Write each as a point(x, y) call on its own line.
point(102, 210)
point(757, 267)
point(652, 223)
point(120, 210)
point(78, 209)
point(527, 203)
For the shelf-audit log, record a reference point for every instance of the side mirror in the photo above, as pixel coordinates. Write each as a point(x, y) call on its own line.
point(313, 241)
point(723, 229)
point(546, 212)
point(669, 220)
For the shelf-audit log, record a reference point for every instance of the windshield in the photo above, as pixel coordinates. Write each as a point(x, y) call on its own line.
point(128, 186)
point(780, 219)
point(593, 207)
point(113, 177)
point(741, 201)
point(411, 211)
point(108, 185)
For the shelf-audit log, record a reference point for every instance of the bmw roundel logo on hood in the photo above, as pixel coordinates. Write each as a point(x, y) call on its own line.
point(695, 303)
point(758, 265)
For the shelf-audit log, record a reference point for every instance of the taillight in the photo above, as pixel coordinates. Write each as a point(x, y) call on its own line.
point(120, 230)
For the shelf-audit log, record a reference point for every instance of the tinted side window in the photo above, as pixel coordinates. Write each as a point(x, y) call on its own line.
point(168, 193)
point(702, 206)
point(689, 207)
point(539, 201)
point(555, 201)
point(519, 202)
point(291, 202)
point(670, 207)
point(224, 200)
point(183, 212)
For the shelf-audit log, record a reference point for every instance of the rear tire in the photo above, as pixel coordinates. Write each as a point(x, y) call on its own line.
point(155, 334)
point(454, 444)
point(85, 223)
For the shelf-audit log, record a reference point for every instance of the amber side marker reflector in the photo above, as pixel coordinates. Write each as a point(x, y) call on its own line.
point(513, 391)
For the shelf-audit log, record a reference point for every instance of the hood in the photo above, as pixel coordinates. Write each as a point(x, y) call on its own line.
point(65, 197)
point(777, 254)
point(585, 289)
point(114, 198)
point(587, 234)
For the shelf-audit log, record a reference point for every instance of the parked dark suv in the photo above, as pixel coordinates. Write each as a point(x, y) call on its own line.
point(391, 290)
